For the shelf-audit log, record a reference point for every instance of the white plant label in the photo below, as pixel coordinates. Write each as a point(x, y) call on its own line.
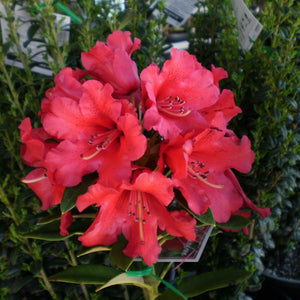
point(178, 11)
point(36, 49)
point(248, 26)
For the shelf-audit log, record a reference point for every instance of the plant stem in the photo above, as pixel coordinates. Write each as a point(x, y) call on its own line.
point(11, 89)
point(74, 263)
point(47, 283)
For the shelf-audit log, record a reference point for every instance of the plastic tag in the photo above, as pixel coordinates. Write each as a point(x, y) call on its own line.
point(190, 251)
point(181, 250)
point(248, 26)
point(35, 48)
point(177, 11)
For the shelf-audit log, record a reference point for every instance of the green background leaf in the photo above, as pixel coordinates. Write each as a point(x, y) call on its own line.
point(87, 274)
point(207, 282)
point(71, 194)
point(235, 223)
point(118, 257)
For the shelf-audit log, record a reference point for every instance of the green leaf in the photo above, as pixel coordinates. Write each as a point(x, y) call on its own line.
point(118, 257)
point(212, 280)
point(19, 283)
point(50, 232)
point(207, 218)
point(127, 280)
point(207, 282)
point(86, 274)
point(235, 223)
point(49, 219)
point(86, 251)
point(71, 194)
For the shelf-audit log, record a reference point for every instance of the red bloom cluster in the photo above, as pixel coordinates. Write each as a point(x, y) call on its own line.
point(132, 130)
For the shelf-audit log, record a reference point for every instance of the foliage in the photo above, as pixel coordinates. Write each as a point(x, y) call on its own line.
point(265, 82)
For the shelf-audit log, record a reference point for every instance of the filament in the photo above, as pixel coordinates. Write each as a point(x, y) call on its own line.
point(34, 180)
point(217, 186)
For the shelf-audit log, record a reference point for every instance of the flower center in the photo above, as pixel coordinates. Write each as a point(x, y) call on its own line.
point(196, 170)
point(139, 210)
point(99, 142)
point(173, 106)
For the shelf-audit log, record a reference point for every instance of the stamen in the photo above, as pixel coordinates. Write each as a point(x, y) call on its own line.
point(102, 142)
point(195, 175)
point(174, 107)
point(34, 180)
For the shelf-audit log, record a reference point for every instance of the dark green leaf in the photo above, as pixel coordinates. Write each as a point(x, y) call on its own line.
point(50, 232)
point(87, 274)
point(49, 219)
point(32, 31)
point(207, 218)
point(71, 194)
point(118, 257)
point(20, 283)
point(212, 280)
point(235, 223)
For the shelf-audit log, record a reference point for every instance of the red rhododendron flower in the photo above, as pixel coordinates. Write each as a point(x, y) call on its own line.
point(172, 97)
point(112, 64)
point(135, 209)
point(33, 152)
point(225, 104)
point(94, 125)
point(95, 132)
point(68, 84)
point(201, 171)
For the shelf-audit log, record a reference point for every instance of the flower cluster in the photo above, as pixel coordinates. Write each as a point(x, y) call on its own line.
point(146, 136)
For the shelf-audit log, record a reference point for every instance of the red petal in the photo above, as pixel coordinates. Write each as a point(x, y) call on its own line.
point(65, 221)
point(264, 212)
point(66, 162)
point(49, 191)
point(121, 40)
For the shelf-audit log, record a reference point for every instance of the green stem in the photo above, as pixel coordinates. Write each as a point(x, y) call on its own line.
point(10, 147)
point(74, 263)
point(29, 251)
point(12, 89)
point(47, 283)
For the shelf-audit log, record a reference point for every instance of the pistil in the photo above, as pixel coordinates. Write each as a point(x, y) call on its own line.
point(139, 210)
point(27, 181)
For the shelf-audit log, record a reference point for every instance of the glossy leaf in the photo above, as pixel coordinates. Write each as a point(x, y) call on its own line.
point(50, 232)
point(235, 223)
point(207, 282)
point(71, 194)
point(86, 274)
point(207, 218)
point(86, 251)
point(127, 280)
point(49, 219)
point(118, 257)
